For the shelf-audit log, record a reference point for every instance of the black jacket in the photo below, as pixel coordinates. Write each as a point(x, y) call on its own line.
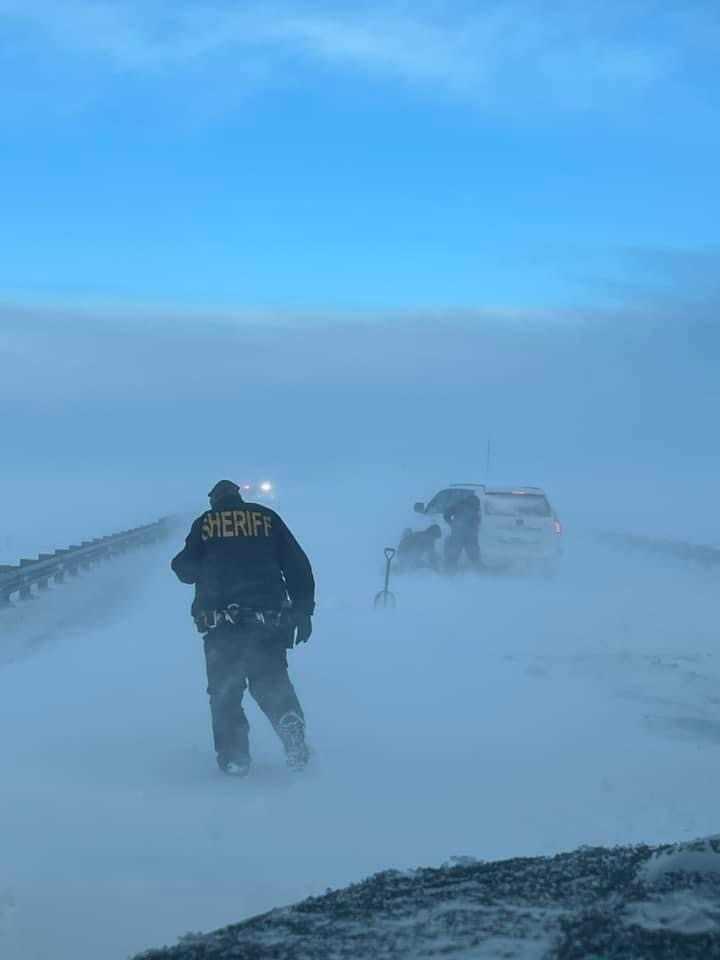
point(464, 515)
point(243, 553)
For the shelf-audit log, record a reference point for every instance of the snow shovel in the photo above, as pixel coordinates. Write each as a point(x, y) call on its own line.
point(385, 598)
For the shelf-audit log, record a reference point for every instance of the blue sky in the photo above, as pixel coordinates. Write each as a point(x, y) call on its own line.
point(302, 156)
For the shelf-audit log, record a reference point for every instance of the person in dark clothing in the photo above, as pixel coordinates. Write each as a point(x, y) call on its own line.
point(254, 599)
point(463, 518)
point(417, 549)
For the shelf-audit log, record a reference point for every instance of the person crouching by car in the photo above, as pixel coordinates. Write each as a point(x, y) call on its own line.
point(417, 550)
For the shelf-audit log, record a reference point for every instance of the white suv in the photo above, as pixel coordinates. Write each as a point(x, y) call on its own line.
point(519, 527)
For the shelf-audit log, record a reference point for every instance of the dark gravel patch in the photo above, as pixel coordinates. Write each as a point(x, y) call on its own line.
point(625, 903)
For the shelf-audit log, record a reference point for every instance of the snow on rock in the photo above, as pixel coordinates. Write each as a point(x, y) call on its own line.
point(622, 903)
point(682, 911)
point(702, 856)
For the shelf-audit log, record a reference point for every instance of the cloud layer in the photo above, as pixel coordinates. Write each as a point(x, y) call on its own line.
point(562, 54)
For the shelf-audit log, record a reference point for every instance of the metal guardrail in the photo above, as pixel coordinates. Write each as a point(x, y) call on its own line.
point(20, 579)
point(704, 556)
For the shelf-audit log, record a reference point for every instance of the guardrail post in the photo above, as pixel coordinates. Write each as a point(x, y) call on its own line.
point(61, 569)
point(44, 582)
point(5, 593)
point(25, 591)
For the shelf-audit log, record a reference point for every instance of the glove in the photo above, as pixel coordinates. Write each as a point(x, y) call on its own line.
point(302, 626)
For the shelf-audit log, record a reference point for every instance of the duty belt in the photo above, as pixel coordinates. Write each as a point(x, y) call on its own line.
point(235, 614)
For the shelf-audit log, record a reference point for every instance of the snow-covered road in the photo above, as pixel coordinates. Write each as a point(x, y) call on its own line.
point(486, 716)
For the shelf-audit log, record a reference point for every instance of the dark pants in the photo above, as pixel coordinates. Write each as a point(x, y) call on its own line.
point(465, 538)
point(239, 657)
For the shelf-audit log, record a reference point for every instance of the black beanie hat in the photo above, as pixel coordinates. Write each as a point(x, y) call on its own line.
point(224, 489)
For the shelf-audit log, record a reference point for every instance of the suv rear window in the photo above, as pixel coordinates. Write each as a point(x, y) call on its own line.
point(516, 505)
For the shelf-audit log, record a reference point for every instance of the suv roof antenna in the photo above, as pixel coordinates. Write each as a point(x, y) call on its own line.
point(487, 463)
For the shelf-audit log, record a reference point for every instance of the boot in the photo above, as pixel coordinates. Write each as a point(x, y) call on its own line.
point(291, 730)
point(238, 767)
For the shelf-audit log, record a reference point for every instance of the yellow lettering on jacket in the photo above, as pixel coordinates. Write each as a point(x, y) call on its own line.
point(211, 526)
point(236, 523)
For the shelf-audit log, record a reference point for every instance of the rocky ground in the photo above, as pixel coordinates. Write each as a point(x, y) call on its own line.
point(626, 903)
